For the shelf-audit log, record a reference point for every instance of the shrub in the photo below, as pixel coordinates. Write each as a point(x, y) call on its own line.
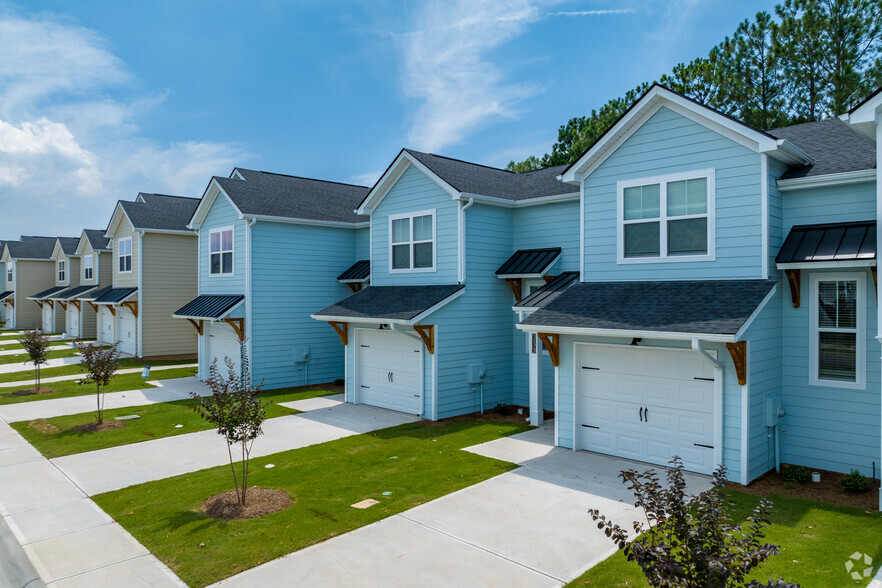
point(503, 409)
point(37, 346)
point(339, 382)
point(855, 482)
point(688, 540)
point(794, 474)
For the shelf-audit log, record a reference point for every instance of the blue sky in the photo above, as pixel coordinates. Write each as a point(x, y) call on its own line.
point(101, 100)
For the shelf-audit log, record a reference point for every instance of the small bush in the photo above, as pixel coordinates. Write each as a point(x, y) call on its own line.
point(855, 482)
point(503, 409)
point(339, 382)
point(794, 474)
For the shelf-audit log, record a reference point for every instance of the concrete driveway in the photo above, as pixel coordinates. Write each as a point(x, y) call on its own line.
point(528, 527)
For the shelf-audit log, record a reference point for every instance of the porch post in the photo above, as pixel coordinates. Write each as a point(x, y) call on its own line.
point(535, 356)
point(878, 235)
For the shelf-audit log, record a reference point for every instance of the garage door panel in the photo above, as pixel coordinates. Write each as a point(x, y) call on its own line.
point(389, 368)
point(47, 326)
point(126, 325)
point(222, 344)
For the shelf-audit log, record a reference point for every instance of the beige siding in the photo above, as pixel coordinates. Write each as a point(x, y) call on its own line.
point(10, 284)
point(31, 277)
point(71, 272)
point(126, 280)
point(168, 283)
point(87, 252)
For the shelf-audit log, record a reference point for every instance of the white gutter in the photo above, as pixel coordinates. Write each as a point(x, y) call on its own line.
point(840, 179)
point(249, 302)
point(139, 350)
point(674, 336)
point(461, 238)
point(506, 203)
point(827, 264)
point(303, 221)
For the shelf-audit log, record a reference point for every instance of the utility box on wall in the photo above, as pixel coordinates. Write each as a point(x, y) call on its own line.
point(773, 411)
point(475, 372)
point(300, 354)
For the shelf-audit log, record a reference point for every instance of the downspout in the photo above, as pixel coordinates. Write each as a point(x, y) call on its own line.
point(879, 228)
point(462, 255)
point(139, 351)
point(248, 299)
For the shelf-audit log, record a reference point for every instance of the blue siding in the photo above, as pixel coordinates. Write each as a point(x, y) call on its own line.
point(550, 225)
point(777, 233)
point(670, 143)
point(831, 204)
point(294, 274)
point(413, 192)
point(222, 214)
point(363, 243)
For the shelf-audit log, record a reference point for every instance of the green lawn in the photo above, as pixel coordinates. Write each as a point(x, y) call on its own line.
point(23, 357)
point(816, 540)
point(67, 388)
point(414, 462)
point(67, 370)
point(6, 345)
point(157, 420)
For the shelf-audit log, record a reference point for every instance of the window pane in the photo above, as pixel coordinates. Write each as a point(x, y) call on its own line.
point(422, 228)
point(401, 230)
point(847, 305)
point(422, 255)
point(128, 263)
point(122, 264)
point(228, 263)
point(837, 356)
point(215, 242)
point(401, 257)
point(215, 263)
point(641, 240)
point(227, 240)
point(641, 202)
point(687, 197)
point(827, 304)
point(687, 237)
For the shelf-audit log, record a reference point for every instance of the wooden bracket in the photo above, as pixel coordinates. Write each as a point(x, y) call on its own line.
point(39, 303)
point(793, 280)
point(552, 344)
point(238, 325)
point(93, 305)
point(133, 306)
point(112, 309)
point(427, 333)
point(63, 305)
point(355, 286)
point(76, 303)
point(516, 285)
point(738, 351)
point(11, 301)
point(197, 324)
point(875, 283)
point(342, 330)
point(548, 278)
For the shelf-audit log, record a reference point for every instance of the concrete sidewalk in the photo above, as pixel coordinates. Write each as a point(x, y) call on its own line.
point(324, 419)
point(80, 376)
point(8, 368)
point(21, 351)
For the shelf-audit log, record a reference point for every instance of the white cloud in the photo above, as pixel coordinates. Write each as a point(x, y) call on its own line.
point(366, 179)
point(69, 148)
point(593, 12)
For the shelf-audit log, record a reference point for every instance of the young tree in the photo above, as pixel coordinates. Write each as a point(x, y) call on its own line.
point(234, 407)
point(37, 346)
point(689, 540)
point(101, 366)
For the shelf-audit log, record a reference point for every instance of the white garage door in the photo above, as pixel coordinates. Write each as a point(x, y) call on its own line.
point(73, 321)
point(647, 404)
point(389, 371)
point(105, 332)
point(222, 343)
point(48, 327)
point(127, 330)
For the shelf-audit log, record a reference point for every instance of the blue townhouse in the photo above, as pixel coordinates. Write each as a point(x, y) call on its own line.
point(271, 248)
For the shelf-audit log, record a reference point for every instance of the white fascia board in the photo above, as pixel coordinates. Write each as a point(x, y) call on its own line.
point(839, 179)
point(756, 312)
point(787, 152)
point(118, 213)
point(359, 320)
point(355, 281)
point(165, 231)
point(437, 306)
point(81, 244)
point(506, 203)
point(674, 336)
point(302, 221)
point(208, 199)
point(388, 179)
point(522, 276)
point(526, 309)
point(817, 265)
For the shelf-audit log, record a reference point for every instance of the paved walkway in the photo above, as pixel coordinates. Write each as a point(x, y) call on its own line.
point(21, 351)
point(79, 376)
point(9, 368)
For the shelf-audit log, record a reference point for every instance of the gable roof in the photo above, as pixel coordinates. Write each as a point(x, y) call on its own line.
point(29, 247)
point(159, 212)
point(834, 146)
point(97, 239)
point(267, 194)
point(68, 245)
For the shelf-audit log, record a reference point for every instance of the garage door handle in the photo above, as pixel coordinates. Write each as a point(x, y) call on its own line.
point(590, 427)
point(363, 386)
point(641, 414)
point(646, 414)
point(703, 445)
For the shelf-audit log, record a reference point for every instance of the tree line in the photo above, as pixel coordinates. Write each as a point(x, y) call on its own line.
point(812, 59)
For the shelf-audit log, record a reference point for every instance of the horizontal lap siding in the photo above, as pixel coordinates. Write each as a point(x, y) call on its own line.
point(221, 215)
point(294, 274)
point(362, 243)
point(414, 192)
point(669, 143)
point(477, 327)
point(168, 283)
point(31, 277)
point(127, 280)
point(853, 202)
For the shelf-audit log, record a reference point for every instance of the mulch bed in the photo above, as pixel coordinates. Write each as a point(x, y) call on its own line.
point(258, 502)
point(95, 427)
point(30, 391)
point(491, 415)
point(827, 490)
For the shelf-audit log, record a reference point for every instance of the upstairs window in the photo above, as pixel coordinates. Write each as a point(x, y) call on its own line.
point(838, 326)
point(9, 273)
point(668, 218)
point(412, 242)
point(61, 272)
point(124, 255)
point(221, 252)
point(88, 265)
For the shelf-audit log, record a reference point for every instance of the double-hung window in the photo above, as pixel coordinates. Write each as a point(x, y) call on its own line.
point(61, 270)
point(88, 265)
point(220, 245)
point(124, 255)
point(837, 341)
point(9, 273)
point(667, 218)
point(412, 242)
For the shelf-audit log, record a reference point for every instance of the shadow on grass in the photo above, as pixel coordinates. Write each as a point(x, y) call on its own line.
point(196, 521)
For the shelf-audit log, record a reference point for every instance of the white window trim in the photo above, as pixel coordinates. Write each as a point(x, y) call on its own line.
point(411, 215)
point(119, 243)
point(232, 252)
point(91, 260)
point(61, 271)
point(663, 256)
point(860, 382)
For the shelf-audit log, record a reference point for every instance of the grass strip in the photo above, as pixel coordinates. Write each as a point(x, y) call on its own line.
point(68, 370)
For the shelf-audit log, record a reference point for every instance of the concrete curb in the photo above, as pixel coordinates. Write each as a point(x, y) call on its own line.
point(16, 570)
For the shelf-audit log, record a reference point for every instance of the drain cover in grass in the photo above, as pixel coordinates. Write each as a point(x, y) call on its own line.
point(367, 503)
point(128, 417)
point(387, 493)
point(270, 465)
point(179, 426)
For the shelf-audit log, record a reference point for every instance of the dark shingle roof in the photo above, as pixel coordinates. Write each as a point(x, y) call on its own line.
point(97, 239)
point(527, 262)
point(6, 294)
point(209, 306)
point(390, 302)
point(96, 294)
point(72, 293)
point(834, 146)
point(69, 245)
point(32, 247)
point(718, 307)
point(47, 293)
point(473, 178)
point(160, 212)
point(548, 292)
point(114, 295)
point(357, 272)
point(829, 242)
point(270, 194)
